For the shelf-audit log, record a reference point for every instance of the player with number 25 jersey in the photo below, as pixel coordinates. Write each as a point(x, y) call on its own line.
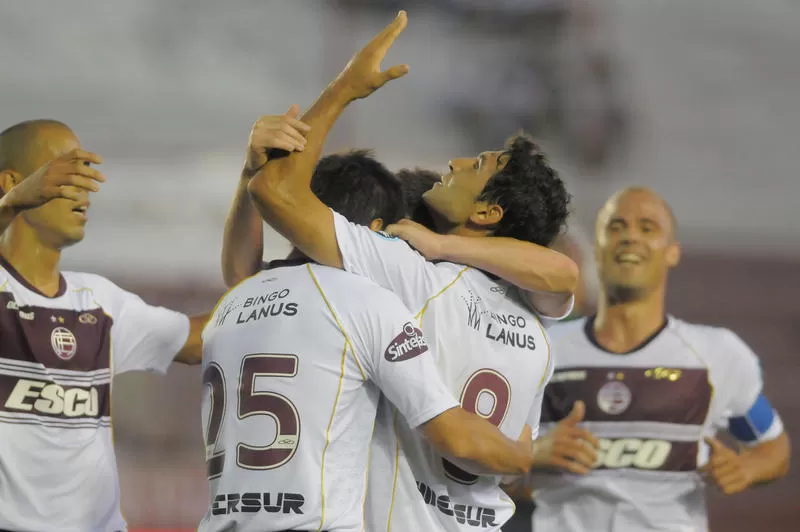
point(295, 359)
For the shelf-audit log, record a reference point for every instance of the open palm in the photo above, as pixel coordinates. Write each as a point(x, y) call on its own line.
point(363, 75)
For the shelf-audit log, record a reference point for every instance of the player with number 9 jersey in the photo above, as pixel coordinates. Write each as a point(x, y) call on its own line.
point(294, 361)
point(489, 348)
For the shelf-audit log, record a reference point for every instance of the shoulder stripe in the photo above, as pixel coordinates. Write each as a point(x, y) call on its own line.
point(421, 313)
point(348, 343)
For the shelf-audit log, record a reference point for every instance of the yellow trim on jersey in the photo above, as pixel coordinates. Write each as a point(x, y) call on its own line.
point(366, 479)
point(418, 317)
point(328, 432)
point(336, 319)
point(4, 284)
point(396, 470)
point(421, 313)
point(546, 341)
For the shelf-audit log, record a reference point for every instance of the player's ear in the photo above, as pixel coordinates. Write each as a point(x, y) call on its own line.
point(376, 224)
point(486, 214)
point(673, 254)
point(8, 180)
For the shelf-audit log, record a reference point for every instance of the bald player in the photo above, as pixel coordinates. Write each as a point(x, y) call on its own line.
point(63, 336)
point(654, 390)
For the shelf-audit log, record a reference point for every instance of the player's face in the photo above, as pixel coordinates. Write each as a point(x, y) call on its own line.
point(454, 198)
point(60, 222)
point(635, 244)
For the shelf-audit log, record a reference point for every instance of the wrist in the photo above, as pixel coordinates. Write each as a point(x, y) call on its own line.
point(749, 464)
point(449, 248)
point(340, 92)
point(252, 165)
point(526, 452)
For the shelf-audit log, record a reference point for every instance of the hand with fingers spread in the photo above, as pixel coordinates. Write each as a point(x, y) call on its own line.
point(727, 468)
point(429, 244)
point(567, 446)
point(283, 132)
point(362, 76)
point(68, 176)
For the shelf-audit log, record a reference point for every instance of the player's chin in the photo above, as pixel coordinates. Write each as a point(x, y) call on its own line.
point(72, 234)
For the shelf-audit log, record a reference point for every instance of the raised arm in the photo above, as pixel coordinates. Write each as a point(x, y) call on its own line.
point(548, 277)
point(243, 240)
point(281, 190)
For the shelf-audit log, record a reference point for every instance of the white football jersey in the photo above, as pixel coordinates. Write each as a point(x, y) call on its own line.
point(493, 354)
point(57, 357)
point(295, 359)
point(651, 410)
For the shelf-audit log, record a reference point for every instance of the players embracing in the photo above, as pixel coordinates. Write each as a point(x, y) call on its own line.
point(488, 343)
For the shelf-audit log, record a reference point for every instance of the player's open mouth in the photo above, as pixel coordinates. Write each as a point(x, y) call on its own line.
point(628, 258)
point(81, 210)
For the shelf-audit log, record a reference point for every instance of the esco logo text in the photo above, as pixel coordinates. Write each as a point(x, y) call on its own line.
point(54, 399)
point(406, 345)
point(632, 452)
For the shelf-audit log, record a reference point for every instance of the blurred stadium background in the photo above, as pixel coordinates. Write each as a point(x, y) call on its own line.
point(696, 98)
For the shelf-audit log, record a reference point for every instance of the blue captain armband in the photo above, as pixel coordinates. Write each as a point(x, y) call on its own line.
point(760, 423)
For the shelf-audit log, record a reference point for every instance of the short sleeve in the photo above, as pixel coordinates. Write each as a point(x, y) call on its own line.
point(535, 415)
point(388, 261)
point(547, 321)
point(145, 337)
point(397, 358)
point(743, 380)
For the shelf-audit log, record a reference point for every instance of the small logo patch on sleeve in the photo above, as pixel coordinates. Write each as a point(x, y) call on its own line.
point(406, 345)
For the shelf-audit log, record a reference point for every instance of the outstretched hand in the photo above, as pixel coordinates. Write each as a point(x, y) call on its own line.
point(363, 75)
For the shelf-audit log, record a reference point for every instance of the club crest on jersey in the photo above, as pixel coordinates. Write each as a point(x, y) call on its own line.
point(64, 343)
point(614, 398)
point(406, 345)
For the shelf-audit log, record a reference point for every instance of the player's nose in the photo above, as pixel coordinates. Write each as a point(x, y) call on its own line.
point(457, 164)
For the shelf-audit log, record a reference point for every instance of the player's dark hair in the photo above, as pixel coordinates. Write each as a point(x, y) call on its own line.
point(417, 182)
point(533, 197)
point(358, 187)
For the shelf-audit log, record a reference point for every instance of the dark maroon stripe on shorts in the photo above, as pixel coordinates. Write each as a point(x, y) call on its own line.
point(77, 340)
point(667, 395)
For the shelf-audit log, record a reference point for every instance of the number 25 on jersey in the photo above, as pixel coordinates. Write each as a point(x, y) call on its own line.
point(252, 403)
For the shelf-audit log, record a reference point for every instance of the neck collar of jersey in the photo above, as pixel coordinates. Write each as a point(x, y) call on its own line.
point(282, 263)
point(588, 329)
point(62, 283)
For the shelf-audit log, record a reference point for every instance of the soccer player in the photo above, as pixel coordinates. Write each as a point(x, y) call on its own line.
point(312, 347)
point(63, 336)
point(488, 344)
point(654, 389)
